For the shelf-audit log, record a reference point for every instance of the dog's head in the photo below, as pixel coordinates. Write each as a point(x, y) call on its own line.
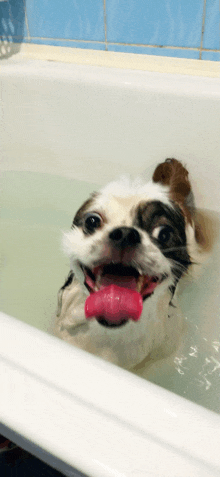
point(131, 240)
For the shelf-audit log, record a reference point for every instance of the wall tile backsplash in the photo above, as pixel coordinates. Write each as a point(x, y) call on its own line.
point(155, 22)
point(66, 19)
point(178, 28)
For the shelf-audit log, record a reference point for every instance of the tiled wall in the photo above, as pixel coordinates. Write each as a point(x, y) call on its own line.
point(180, 28)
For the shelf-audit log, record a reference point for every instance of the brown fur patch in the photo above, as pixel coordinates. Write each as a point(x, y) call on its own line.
point(173, 174)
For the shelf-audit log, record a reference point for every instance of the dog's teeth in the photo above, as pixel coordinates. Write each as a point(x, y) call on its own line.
point(98, 280)
point(140, 283)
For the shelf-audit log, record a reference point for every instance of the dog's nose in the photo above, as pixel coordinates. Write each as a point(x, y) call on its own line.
point(124, 237)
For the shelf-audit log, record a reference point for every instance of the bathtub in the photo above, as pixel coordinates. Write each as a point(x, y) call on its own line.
point(87, 117)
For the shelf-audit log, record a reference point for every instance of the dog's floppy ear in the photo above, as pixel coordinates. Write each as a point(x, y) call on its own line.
point(173, 174)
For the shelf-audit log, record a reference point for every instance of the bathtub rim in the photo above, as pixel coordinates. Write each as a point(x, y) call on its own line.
point(111, 59)
point(168, 426)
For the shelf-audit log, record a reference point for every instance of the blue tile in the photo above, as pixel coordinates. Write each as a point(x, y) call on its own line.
point(70, 44)
point(211, 39)
point(12, 19)
point(69, 19)
point(211, 55)
point(174, 52)
point(155, 22)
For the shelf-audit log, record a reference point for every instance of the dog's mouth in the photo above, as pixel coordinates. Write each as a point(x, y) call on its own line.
point(117, 293)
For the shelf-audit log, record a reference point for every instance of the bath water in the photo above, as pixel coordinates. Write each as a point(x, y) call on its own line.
point(36, 208)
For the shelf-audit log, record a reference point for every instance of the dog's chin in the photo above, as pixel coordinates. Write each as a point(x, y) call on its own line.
point(102, 321)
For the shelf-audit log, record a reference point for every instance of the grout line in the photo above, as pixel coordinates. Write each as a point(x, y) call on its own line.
point(164, 46)
point(26, 21)
point(140, 45)
point(203, 29)
point(137, 45)
point(64, 39)
point(105, 24)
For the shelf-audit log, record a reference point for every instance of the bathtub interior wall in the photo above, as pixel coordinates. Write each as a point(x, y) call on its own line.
point(84, 117)
point(68, 129)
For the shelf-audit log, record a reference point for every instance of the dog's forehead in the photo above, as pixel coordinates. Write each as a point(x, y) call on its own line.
point(130, 193)
point(113, 201)
point(119, 201)
point(120, 209)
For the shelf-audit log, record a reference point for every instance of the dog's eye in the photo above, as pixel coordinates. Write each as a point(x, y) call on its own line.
point(162, 233)
point(92, 221)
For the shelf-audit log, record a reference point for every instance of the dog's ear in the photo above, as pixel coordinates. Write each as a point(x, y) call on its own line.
point(173, 174)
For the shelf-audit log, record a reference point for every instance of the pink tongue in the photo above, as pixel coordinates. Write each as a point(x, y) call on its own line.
point(114, 303)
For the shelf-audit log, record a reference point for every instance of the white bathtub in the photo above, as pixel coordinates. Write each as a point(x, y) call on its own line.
point(91, 123)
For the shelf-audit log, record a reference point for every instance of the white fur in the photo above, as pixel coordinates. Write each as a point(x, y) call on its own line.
point(126, 187)
point(116, 201)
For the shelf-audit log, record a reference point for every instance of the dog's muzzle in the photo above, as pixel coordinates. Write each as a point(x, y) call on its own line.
point(123, 237)
point(117, 290)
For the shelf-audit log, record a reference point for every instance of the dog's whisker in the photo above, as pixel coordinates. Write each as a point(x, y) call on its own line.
point(179, 269)
point(180, 266)
point(176, 249)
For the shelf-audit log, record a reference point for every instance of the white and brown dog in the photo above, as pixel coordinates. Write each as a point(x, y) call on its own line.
point(129, 246)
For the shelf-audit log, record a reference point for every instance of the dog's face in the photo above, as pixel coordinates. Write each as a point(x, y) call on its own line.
point(134, 236)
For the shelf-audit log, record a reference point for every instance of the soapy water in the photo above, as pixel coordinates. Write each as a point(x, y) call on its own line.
point(35, 209)
point(193, 370)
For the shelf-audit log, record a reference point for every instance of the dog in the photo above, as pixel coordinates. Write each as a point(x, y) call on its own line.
point(130, 246)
